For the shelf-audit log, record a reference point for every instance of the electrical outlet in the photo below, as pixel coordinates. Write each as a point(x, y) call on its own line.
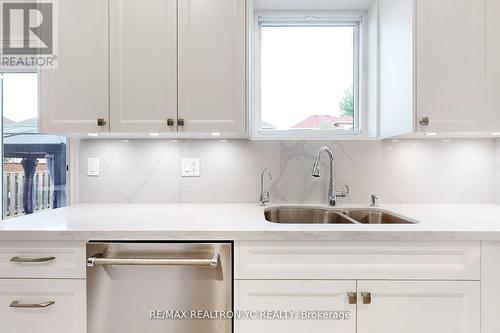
point(93, 167)
point(190, 167)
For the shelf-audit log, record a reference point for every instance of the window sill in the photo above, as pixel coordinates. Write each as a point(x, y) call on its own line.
point(308, 136)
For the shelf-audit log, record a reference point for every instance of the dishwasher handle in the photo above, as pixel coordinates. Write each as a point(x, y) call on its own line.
point(99, 260)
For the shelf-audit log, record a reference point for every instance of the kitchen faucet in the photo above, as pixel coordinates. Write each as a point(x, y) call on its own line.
point(332, 194)
point(264, 195)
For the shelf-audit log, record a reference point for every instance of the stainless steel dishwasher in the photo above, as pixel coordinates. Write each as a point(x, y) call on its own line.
point(154, 287)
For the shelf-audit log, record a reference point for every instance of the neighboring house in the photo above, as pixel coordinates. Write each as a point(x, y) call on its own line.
point(18, 168)
point(326, 122)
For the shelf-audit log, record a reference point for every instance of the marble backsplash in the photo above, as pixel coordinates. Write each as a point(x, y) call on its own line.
point(148, 171)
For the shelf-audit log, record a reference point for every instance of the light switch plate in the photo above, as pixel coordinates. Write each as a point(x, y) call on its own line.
point(190, 167)
point(93, 167)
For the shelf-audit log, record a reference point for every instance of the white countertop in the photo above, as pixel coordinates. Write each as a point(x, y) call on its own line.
point(244, 222)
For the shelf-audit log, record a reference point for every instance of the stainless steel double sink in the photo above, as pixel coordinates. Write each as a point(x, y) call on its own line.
point(315, 215)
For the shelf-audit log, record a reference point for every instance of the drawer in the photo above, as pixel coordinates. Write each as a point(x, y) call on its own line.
point(357, 260)
point(66, 315)
point(48, 259)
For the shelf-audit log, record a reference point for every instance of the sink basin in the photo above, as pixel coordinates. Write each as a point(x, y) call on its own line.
point(305, 215)
point(376, 216)
point(312, 215)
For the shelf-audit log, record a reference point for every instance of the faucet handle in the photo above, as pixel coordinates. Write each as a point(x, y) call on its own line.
point(343, 194)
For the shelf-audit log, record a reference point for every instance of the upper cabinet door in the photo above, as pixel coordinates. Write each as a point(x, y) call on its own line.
point(419, 306)
point(212, 65)
point(143, 63)
point(493, 65)
point(450, 65)
point(75, 94)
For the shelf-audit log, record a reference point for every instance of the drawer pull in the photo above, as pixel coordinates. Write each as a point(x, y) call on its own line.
point(19, 259)
point(17, 304)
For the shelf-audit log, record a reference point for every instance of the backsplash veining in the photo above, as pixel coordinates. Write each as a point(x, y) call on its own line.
point(148, 171)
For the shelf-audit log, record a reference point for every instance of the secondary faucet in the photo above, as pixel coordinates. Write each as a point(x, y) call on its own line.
point(332, 194)
point(265, 197)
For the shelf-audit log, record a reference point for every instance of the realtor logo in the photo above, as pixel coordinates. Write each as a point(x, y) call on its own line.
point(27, 34)
point(27, 28)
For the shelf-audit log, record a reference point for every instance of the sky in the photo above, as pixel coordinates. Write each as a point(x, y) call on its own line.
point(305, 71)
point(20, 96)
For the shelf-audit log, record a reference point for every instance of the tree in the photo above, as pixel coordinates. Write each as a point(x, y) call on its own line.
point(346, 105)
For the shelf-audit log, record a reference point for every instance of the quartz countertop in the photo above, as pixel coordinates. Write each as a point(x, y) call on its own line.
point(245, 222)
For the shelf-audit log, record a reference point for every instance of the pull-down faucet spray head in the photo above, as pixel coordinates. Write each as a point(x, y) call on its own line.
point(332, 194)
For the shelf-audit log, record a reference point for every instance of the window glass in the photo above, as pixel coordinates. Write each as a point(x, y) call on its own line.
point(308, 77)
point(34, 164)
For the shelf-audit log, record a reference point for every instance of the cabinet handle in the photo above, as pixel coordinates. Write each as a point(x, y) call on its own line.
point(367, 298)
point(17, 304)
point(101, 122)
point(353, 298)
point(425, 121)
point(19, 259)
point(180, 122)
point(170, 122)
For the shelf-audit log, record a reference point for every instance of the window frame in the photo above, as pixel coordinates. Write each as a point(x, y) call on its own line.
point(291, 19)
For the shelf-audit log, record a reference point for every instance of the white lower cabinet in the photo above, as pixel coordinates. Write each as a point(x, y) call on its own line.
point(42, 306)
point(259, 296)
point(382, 306)
point(419, 306)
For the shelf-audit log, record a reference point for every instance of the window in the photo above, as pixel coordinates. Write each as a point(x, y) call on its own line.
point(307, 76)
point(34, 164)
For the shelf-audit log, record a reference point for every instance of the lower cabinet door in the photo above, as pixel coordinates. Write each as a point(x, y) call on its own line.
point(295, 306)
point(42, 306)
point(418, 307)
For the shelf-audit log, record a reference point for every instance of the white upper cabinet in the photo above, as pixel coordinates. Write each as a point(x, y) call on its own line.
point(493, 65)
point(143, 63)
point(212, 65)
point(174, 66)
point(417, 307)
point(75, 94)
point(454, 63)
point(450, 65)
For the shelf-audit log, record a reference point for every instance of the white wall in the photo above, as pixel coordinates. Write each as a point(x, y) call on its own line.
point(148, 171)
point(497, 167)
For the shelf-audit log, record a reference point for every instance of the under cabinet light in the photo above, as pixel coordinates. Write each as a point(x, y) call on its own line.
point(430, 134)
point(154, 134)
point(92, 134)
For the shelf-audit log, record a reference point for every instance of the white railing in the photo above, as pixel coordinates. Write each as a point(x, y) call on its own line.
point(13, 182)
